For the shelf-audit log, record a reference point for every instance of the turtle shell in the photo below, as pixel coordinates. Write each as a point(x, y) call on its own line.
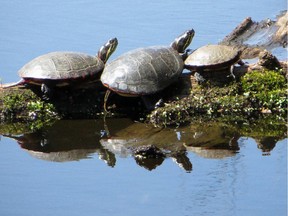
point(212, 57)
point(143, 71)
point(61, 66)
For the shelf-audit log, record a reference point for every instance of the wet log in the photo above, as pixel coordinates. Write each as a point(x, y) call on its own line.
point(273, 34)
point(26, 104)
point(85, 101)
point(243, 28)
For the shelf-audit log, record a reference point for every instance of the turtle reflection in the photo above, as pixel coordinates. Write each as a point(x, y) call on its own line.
point(156, 144)
point(266, 144)
point(67, 140)
point(211, 140)
point(70, 140)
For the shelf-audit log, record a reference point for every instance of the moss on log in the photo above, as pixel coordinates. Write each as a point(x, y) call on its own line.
point(26, 103)
point(256, 93)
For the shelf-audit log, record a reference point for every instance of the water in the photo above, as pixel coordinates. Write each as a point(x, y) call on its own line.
point(86, 167)
point(31, 28)
point(248, 182)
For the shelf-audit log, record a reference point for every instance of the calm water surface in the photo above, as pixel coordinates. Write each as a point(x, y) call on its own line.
point(54, 172)
point(244, 183)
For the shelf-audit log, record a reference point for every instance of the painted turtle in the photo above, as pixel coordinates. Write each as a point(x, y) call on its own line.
point(57, 69)
point(208, 60)
point(145, 71)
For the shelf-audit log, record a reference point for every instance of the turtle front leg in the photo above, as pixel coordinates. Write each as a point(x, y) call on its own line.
point(241, 62)
point(47, 91)
point(152, 103)
point(232, 72)
point(106, 99)
point(186, 54)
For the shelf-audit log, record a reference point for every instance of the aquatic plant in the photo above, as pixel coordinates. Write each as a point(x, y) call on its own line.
point(266, 89)
point(26, 106)
point(257, 92)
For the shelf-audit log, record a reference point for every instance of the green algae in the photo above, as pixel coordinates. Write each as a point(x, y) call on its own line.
point(267, 88)
point(255, 93)
point(25, 106)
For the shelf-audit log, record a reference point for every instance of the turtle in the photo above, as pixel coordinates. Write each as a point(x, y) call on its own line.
point(145, 71)
point(211, 61)
point(64, 68)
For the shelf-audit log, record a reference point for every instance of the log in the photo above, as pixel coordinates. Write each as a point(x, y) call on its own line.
point(273, 34)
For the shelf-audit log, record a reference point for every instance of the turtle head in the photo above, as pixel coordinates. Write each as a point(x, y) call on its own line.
point(107, 49)
point(183, 41)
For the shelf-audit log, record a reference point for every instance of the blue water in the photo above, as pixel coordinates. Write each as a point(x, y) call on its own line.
point(247, 183)
point(34, 27)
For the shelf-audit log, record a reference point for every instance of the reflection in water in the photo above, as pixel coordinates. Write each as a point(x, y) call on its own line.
point(213, 140)
point(69, 140)
point(124, 139)
point(266, 144)
point(66, 141)
point(149, 163)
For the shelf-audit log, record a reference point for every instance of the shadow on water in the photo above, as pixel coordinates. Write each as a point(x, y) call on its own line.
point(70, 140)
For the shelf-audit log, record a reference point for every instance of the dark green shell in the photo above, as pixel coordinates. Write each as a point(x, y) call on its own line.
point(143, 71)
point(212, 57)
point(61, 66)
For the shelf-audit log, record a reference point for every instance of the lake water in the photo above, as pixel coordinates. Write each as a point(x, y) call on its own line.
point(88, 178)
